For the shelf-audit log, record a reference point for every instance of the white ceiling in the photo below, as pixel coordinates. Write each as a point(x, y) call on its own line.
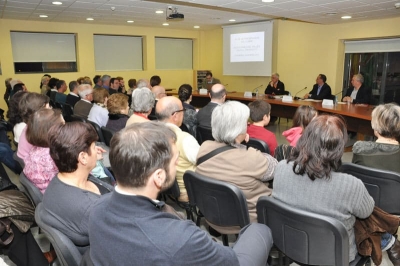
point(204, 13)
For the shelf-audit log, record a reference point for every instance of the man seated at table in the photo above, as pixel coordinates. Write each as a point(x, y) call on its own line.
point(275, 87)
point(321, 90)
point(209, 81)
point(358, 93)
point(130, 227)
point(218, 96)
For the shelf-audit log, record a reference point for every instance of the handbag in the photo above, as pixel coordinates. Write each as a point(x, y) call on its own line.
point(5, 226)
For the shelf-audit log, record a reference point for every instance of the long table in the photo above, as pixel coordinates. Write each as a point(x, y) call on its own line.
point(358, 117)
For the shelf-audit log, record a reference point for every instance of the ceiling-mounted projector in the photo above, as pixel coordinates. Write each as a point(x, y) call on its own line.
point(173, 14)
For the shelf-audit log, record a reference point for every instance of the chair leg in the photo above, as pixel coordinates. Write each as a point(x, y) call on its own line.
point(225, 240)
point(199, 216)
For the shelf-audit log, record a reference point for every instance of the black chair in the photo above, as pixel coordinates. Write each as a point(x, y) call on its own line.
point(221, 203)
point(184, 128)
point(67, 112)
point(306, 237)
point(107, 134)
point(98, 130)
point(58, 105)
point(31, 190)
point(383, 186)
point(67, 253)
point(77, 118)
point(258, 144)
point(203, 134)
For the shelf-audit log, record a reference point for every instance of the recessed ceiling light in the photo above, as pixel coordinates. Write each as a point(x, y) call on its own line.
point(57, 3)
point(130, 21)
point(196, 27)
point(43, 16)
point(268, 1)
point(159, 12)
point(346, 17)
point(232, 20)
point(90, 19)
point(165, 24)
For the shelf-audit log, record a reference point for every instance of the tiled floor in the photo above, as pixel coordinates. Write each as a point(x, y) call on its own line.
point(276, 128)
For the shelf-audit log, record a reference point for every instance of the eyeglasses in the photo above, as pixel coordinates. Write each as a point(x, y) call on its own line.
point(182, 110)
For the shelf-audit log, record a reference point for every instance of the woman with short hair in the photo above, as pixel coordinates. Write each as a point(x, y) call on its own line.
point(118, 109)
point(190, 115)
point(99, 113)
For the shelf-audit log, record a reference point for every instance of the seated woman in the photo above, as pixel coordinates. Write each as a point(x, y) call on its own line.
point(14, 115)
point(308, 180)
point(248, 169)
point(142, 104)
point(302, 117)
point(72, 192)
point(385, 152)
point(39, 167)
point(190, 114)
point(118, 109)
point(99, 112)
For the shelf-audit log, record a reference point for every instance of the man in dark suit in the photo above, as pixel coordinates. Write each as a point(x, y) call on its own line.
point(73, 97)
point(275, 87)
point(209, 81)
point(321, 90)
point(217, 95)
point(358, 93)
point(143, 223)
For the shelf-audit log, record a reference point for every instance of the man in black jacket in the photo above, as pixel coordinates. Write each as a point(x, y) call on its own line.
point(321, 90)
point(358, 93)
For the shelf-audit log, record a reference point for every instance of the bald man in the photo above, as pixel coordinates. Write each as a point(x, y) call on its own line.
point(159, 92)
point(170, 110)
point(217, 95)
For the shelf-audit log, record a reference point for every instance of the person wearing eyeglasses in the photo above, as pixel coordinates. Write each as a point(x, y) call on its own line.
point(170, 110)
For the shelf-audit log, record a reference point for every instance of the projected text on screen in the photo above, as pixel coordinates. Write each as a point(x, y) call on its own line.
point(247, 47)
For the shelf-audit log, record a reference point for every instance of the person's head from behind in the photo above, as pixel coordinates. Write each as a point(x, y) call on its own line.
point(170, 109)
point(142, 100)
point(30, 103)
point(73, 144)
point(105, 79)
point(132, 83)
point(218, 93)
point(144, 155)
point(52, 83)
point(73, 86)
point(97, 80)
point(229, 122)
point(155, 81)
point(260, 111)
point(303, 116)
point(185, 92)
point(386, 121)
point(13, 113)
point(143, 83)
point(85, 91)
point(100, 95)
point(118, 104)
point(44, 81)
point(40, 124)
point(61, 86)
point(320, 148)
point(18, 87)
point(158, 91)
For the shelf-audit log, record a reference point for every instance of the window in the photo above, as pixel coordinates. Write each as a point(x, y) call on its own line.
point(116, 53)
point(43, 52)
point(174, 53)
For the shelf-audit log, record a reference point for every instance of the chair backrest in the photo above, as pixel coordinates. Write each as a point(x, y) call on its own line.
point(303, 236)
point(383, 186)
point(258, 144)
point(173, 191)
point(33, 191)
point(203, 134)
point(19, 160)
point(184, 128)
point(78, 118)
point(98, 130)
point(67, 112)
point(107, 134)
point(67, 253)
point(221, 203)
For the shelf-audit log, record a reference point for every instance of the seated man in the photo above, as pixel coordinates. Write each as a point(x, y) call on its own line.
point(275, 86)
point(321, 90)
point(73, 97)
point(130, 227)
point(217, 95)
point(260, 115)
point(60, 97)
point(209, 81)
point(170, 110)
point(358, 93)
point(84, 105)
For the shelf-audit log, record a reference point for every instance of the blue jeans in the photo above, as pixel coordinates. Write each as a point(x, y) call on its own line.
point(385, 239)
point(6, 157)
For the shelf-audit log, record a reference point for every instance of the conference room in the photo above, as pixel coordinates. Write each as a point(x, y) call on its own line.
point(301, 39)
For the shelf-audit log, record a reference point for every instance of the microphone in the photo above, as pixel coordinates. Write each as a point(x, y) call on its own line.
point(298, 98)
point(256, 88)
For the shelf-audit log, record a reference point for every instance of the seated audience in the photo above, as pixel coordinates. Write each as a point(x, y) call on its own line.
point(39, 167)
point(99, 113)
point(73, 97)
point(60, 97)
point(302, 117)
point(43, 84)
point(130, 216)
point(385, 152)
point(28, 105)
point(321, 90)
point(275, 86)
point(98, 83)
point(309, 180)
point(170, 110)
point(18, 87)
point(248, 169)
point(142, 104)
point(155, 81)
point(83, 106)
point(260, 115)
point(358, 93)
point(118, 109)
point(8, 90)
point(14, 115)
point(159, 93)
point(105, 81)
point(121, 88)
point(52, 86)
point(218, 96)
point(73, 191)
point(190, 114)
point(114, 86)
